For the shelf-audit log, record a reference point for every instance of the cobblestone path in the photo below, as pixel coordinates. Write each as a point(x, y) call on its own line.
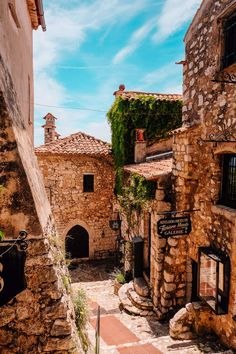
point(125, 334)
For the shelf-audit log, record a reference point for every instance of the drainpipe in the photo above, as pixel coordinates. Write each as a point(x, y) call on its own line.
point(41, 14)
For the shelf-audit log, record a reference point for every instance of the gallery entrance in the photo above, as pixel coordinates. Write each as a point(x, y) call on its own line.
point(77, 242)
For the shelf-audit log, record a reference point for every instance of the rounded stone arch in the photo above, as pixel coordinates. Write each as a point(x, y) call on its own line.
point(90, 231)
point(225, 148)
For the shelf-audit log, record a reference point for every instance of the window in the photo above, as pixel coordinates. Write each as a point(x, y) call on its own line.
point(229, 57)
point(213, 283)
point(228, 189)
point(88, 183)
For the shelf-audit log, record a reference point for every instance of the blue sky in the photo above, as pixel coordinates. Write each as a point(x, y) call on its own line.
point(92, 46)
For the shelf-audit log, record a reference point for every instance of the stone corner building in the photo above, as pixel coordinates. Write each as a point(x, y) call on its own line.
point(40, 317)
point(78, 173)
point(205, 171)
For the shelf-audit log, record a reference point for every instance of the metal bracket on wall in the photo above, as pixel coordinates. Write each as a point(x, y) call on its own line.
point(20, 242)
point(178, 212)
point(225, 134)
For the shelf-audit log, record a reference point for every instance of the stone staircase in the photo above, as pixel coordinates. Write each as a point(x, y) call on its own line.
point(135, 298)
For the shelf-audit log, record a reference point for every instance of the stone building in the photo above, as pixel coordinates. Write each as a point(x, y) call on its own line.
point(78, 173)
point(205, 174)
point(146, 254)
point(40, 317)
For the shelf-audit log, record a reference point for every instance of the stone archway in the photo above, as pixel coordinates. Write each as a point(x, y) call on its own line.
point(77, 242)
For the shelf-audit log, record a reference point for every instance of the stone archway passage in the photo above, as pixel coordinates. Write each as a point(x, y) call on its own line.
point(77, 242)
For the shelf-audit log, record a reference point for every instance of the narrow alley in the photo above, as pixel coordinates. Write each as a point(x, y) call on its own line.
point(122, 333)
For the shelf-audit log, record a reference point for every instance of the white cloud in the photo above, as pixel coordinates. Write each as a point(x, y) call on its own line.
point(174, 14)
point(164, 74)
point(134, 42)
point(67, 28)
point(102, 130)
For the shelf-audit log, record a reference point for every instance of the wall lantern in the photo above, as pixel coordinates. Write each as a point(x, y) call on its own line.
point(213, 279)
point(115, 225)
point(115, 222)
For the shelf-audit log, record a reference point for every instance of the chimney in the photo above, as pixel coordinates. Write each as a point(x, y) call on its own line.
point(50, 133)
point(140, 146)
point(120, 91)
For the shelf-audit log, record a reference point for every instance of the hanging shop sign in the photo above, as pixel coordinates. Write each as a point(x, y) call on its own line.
point(174, 226)
point(12, 263)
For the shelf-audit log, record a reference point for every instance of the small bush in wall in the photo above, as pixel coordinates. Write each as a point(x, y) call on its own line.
point(120, 278)
point(81, 317)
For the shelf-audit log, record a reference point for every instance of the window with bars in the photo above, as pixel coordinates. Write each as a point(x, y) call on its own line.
point(229, 56)
point(228, 190)
point(88, 183)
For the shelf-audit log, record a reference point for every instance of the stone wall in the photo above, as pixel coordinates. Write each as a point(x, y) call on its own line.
point(41, 318)
point(167, 257)
point(63, 178)
point(197, 168)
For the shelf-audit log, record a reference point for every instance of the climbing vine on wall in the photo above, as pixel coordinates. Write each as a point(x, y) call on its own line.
point(134, 197)
point(157, 117)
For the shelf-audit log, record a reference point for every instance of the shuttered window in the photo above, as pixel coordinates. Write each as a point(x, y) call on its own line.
point(88, 185)
point(230, 41)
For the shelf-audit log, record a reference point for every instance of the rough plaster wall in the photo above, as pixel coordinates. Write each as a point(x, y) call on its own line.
point(16, 52)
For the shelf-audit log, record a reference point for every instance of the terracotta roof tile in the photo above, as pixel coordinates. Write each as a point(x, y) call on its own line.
point(158, 96)
point(79, 143)
point(151, 170)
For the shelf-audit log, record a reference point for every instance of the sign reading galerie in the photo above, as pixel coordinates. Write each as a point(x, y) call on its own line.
point(174, 226)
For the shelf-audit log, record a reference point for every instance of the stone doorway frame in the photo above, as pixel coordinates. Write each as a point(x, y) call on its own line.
point(90, 231)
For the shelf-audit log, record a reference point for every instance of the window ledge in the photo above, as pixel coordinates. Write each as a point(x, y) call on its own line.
point(231, 69)
point(227, 212)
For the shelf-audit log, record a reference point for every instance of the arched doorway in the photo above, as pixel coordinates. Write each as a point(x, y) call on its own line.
point(77, 242)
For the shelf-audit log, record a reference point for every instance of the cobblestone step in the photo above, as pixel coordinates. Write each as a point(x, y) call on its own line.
point(128, 306)
point(141, 287)
point(141, 302)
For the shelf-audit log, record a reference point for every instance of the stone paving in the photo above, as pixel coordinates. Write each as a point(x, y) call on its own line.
point(125, 334)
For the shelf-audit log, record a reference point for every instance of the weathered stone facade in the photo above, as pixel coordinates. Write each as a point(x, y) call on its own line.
point(63, 175)
point(40, 319)
point(209, 108)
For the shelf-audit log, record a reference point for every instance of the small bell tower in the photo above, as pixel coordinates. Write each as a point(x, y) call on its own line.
point(50, 133)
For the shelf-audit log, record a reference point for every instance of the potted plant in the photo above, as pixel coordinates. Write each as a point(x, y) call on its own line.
point(119, 281)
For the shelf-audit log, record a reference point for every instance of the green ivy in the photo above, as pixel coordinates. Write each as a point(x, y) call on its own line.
point(135, 195)
point(145, 112)
point(1, 235)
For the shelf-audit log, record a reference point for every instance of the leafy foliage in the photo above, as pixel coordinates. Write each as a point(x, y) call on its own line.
point(157, 117)
point(1, 235)
point(135, 195)
point(120, 278)
point(82, 317)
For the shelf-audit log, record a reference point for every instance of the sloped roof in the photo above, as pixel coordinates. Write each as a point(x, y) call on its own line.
point(158, 96)
point(79, 143)
point(151, 170)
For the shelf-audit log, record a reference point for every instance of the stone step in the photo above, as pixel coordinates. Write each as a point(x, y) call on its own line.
point(143, 303)
point(141, 287)
point(127, 305)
